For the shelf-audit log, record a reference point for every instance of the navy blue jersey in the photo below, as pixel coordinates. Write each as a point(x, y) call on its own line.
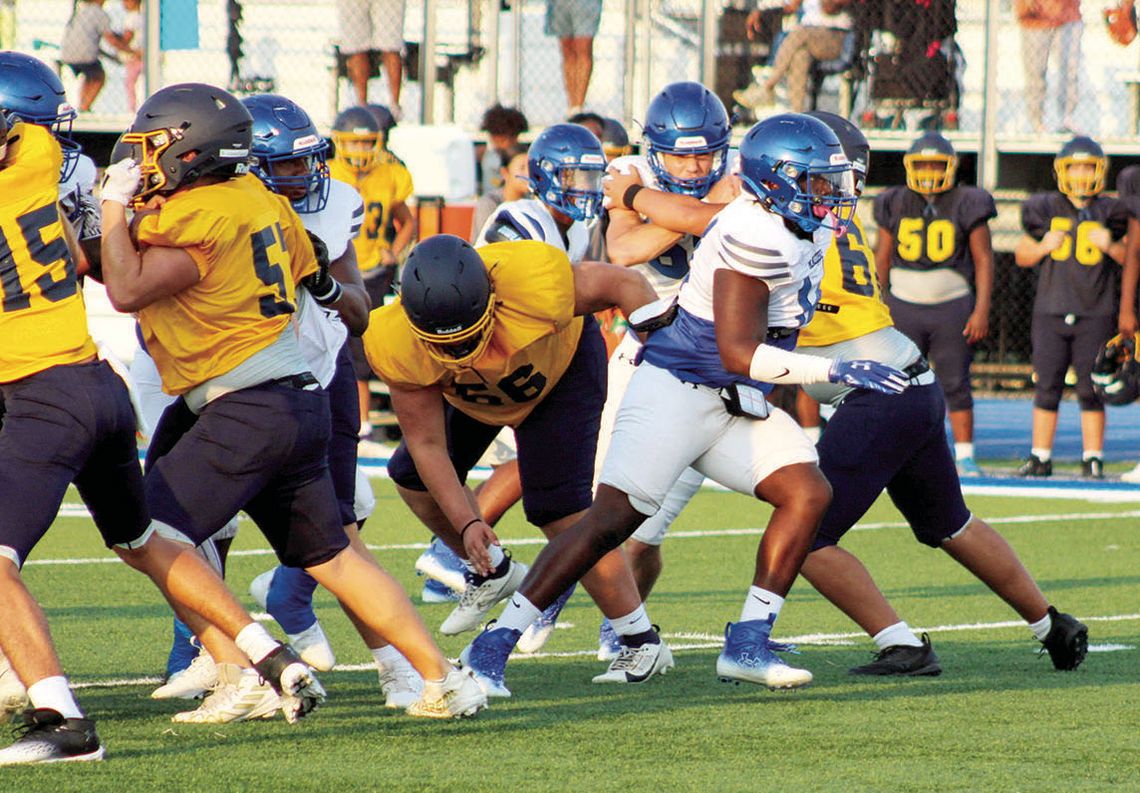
point(1076, 278)
point(933, 235)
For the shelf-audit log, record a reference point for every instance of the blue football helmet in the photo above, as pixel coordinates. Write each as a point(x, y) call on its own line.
point(687, 118)
point(795, 166)
point(566, 165)
point(32, 92)
point(283, 131)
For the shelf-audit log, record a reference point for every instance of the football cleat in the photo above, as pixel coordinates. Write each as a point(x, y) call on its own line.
point(480, 598)
point(442, 564)
point(968, 466)
point(454, 697)
point(47, 737)
point(240, 695)
point(13, 695)
point(903, 659)
point(638, 664)
point(1067, 642)
point(536, 634)
point(1092, 468)
point(1035, 466)
point(295, 608)
point(400, 683)
point(184, 648)
point(1132, 476)
point(486, 658)
point(313, 647)
point(192, 682)
point(609, 645)
point(748, 657)
point(437, 592)
point(299, 688)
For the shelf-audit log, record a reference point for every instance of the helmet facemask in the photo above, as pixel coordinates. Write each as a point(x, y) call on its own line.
point(458, 348)
point(930, 172)
point(810, 197)
point(359, 150)
point(1080, 176)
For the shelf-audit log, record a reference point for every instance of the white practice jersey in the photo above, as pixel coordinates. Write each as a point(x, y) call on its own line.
point(667, 271)
point(748, 239)
point(76, 195)
point(320, 330)
point(529, 219)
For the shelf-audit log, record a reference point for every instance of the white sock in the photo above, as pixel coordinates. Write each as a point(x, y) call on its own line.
point(387, 656)
point(1090, 453)
point(633, 623)
point(895, 635)
point(1041, 627)
point(54, 693)
point(813, 433)
point(963, 451)
point(255, 641)
point(518, 614)
point(761, 605)
point(1044, 455)
point(497, 557)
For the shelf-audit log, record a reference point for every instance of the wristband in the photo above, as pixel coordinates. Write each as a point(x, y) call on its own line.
point(629, 194)
point(467, 525)
point(332, 295)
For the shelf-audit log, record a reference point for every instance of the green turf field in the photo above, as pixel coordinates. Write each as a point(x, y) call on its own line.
point(999, 718)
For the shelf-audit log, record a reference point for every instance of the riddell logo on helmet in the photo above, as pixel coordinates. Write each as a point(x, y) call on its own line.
point(306, 142)
point(234, 153)
point(593, 159)
point(449, 330)
point(839, 159)
point(64, 109)
point(691, 142)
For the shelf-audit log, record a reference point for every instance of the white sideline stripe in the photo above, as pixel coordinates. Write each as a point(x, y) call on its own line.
point(695, 641)
point(681, 535)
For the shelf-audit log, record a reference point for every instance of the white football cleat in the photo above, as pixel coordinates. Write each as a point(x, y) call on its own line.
point(240, 695)
point(638, 664)
point(192, 682)
point(479, 599)
point(534, 637)
point(401, 683)
point(434, 565)
point(313, 647)
point(13, 695)
point(1132, 476)
point(454, 697)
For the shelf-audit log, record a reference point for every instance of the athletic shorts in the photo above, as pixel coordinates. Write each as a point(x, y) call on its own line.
point(370, 25)
point(573, 18)
point(263, 450)
point(62, 425)
point(89, 71)
point(556, 441)
point(344, 406)
point(898, 443)
point(665, 426)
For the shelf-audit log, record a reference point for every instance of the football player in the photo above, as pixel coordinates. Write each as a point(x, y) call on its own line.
point(1074, 236)
point(753, 282)
point(1128, 186)
point(250, 430)
point(68, 418)
point(494, 337)
point(362, 161)
point(935, 257)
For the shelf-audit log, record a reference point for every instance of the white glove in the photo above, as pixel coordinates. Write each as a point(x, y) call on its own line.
point(121, 182)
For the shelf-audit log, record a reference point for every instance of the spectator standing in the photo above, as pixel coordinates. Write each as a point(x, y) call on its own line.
point(1074, 237)
point(575, 23)
point(88, 27)
point(503, 126)
point(513, 185)
point(368, 26)
point(134, 36)
point(1047, 27)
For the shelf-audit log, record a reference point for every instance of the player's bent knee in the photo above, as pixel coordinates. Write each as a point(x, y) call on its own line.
point(1047, 400)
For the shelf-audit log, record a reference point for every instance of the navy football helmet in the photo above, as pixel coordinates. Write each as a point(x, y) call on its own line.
point(615, 140)
point(283, 131)
point(931, 164)
point(566, 165)
point(448, 298)
point(854, 142)
point(1080, 168)
point(357, 138)
point(795, 167)
point(31, 91)
point(1116, 375)
point(687, 118)
point(383, 117)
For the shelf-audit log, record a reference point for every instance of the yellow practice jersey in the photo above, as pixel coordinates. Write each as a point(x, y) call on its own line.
point(534, 337)
point(387, 184)
point(251, 250)
point(43, 322)
point(850, 304)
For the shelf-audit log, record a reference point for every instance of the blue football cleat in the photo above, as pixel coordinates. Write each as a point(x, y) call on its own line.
point(487, 656)
point(748, 657)
point(183, 649)
point(609, 645)
point(438, 592)
point(536, 634)
point(444, 565)
point(968, 466)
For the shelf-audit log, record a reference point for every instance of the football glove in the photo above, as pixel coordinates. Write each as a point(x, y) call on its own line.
point(121, 182)
point(871, 375)
point(321, 285)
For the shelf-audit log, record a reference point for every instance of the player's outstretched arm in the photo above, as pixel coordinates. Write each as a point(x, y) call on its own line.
point(630, 240)
point(354, 303)
point(599, 286)
point(679, 213)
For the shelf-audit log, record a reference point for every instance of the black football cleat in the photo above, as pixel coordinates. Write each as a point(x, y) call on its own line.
point(1092, 468)
point(1067, 642)
point(47, 737)
point(903, 659)
point(1034, 466)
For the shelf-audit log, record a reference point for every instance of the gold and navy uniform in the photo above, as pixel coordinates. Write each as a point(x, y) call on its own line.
point(43, 322)
point(1076, 278)
point(850, 302)
point(534, 337)
point(935, 234)
point(387, 184)
point(251, 249)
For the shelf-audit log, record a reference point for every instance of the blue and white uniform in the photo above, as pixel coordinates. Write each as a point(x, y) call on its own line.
point(678, 383)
